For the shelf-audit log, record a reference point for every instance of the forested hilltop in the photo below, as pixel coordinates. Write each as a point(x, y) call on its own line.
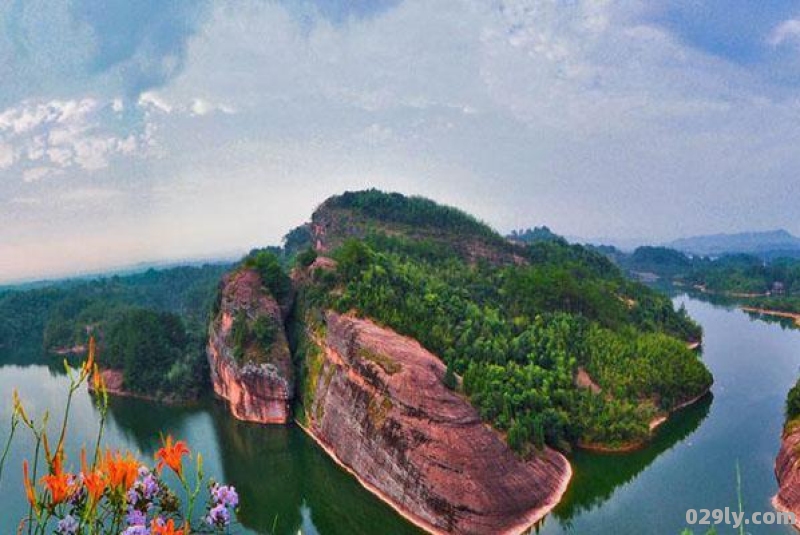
point(519, 322)
point(151, 326)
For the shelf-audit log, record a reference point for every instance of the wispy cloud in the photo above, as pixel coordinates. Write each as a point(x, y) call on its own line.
point(787, 31)
point(593, 116)
point(60, 134)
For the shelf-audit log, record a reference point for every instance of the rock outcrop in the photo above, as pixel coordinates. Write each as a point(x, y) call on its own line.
point(787, 472)
point(375, 401)
point(251, 366)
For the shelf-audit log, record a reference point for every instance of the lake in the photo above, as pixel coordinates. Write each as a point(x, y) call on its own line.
point(285, 481)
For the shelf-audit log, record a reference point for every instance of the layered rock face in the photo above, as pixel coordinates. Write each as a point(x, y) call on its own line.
point(251, 366)
point(376, 402)
point(788, 497)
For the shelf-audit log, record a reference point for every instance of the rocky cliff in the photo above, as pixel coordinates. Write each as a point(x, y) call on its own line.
point(251, 366)
point(376, 402)
point(787, 473)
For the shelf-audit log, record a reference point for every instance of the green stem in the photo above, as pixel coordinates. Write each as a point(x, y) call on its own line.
point(35, 468)
point(14, 423)
point(739, 495)
point(65, 419)
point(99, 438)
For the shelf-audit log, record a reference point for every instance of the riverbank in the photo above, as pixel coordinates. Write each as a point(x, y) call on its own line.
point(655, 423)
point(114, 381)
point(776, 313)
point(534, 517)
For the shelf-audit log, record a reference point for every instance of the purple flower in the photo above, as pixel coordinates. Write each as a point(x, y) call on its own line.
point(135, 518)
point(136, 530)
point(77, 483)
point(218, 516)
point(143, 491)
point(149, 487)
point(67, 525)
point(225, 495)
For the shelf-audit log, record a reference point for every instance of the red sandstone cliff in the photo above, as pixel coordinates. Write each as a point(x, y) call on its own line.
point(376, 402)
point(788, 473)
point(256, 379)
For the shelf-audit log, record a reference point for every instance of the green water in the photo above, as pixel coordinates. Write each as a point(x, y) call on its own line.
point(283, 478)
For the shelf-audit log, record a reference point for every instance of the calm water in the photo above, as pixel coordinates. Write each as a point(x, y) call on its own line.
point(284, 478)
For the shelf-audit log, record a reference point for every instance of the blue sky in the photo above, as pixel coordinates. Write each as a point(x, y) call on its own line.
point(136, 131)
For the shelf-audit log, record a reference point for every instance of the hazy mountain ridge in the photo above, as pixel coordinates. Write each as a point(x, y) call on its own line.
point(767, 242)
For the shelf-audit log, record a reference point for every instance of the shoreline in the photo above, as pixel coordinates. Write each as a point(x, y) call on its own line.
point(655, 423)
point(113, 383)
point(532, 518)
point(777, 313)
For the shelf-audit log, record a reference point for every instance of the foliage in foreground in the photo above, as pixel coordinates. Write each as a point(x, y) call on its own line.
point(113, 492)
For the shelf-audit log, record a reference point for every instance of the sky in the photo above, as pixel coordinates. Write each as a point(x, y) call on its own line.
point(167, 129)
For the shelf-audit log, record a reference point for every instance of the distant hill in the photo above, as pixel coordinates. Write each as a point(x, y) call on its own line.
point(768, 243)
point(533, 235)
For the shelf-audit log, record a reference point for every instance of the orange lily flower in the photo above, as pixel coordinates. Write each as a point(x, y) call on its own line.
point(89, 364)
point(60, 486)
point(122, 471)
point(57, 482)
point(171, 454)
point(30, 493)
point(97, 380)
point(94, 481)
point(168, 528)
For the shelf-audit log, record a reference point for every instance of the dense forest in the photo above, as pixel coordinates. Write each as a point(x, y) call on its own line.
point(535, 234)
point(517, 334)
point(150, 325)
point(772, 284)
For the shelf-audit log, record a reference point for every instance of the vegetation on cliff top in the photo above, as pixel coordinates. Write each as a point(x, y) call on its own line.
point(518, 333)
point(793, 403)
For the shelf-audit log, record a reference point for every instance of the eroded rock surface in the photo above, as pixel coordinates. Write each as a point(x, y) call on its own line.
point(787, 473)
point(252, 371)
point(376, 402)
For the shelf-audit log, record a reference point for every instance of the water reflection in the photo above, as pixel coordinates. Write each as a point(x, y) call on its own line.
point(596, 477)
point(286, 481)
point(287, 485)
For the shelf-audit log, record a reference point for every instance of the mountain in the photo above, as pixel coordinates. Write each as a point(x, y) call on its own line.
point(413, 322)
point(767, 243)
point(443, 365)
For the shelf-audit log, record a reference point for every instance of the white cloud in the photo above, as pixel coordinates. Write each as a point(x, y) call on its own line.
point(788, 30)
point(26, 201)
point(35, 174)
point(152, 100)
point(538, 105)
point(90, 195)
point(65, 133)
point(202, 107)
point(6, 155)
